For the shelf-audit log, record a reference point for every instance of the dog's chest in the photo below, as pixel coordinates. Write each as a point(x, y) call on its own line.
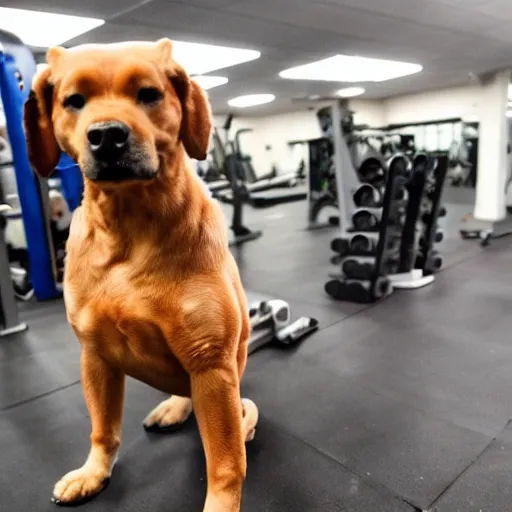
point(118, 310)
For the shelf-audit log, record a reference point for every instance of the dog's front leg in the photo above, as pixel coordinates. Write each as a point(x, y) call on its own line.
point(218, 409)
point(103, 388)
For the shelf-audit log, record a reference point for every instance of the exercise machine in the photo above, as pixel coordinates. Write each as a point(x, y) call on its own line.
point(9, 320)
point(255, 183)
point(17, 65)
point(234, 172)
point(265, 191)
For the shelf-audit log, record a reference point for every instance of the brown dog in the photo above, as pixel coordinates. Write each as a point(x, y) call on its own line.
point(151, 289)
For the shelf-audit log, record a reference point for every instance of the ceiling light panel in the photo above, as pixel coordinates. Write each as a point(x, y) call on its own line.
point(251, 100)
point(350, 92)
point(209, 82)
point(36, 28)
point(348, 68)
point(199, 59)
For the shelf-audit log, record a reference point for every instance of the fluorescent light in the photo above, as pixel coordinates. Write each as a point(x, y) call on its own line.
point(509, 113)
point(348, 68)
point(350, 92)
point(198, 58)
point(209, 82)
point(36, 28)
point(251, 100)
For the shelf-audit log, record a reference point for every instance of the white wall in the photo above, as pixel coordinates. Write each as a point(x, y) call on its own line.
point(275, 131)
point(461, 102)
point(369, 112)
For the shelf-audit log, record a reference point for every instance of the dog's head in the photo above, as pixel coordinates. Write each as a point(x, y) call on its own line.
point(121, 111)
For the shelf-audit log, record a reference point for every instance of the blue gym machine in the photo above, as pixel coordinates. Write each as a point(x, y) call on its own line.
point(14, 56)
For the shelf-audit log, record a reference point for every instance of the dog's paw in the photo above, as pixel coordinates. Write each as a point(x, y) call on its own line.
point(169, 416)
point(250, 419)
point(79, 486)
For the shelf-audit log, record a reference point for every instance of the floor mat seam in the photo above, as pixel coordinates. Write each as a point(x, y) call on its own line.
point(37, 397)
point(375, 485)
point(467, 468)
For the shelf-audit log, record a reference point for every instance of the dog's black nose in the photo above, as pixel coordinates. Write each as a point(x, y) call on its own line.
point(108, 141)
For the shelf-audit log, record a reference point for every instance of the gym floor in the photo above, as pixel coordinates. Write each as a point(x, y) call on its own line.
point(396, 407)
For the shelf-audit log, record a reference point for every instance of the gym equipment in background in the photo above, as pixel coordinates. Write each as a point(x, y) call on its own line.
point(216, 179)
point(271, 324)
point(263, 192)
point(255, 183)
point(392, 224)
point(339, 161)
point(417, 260)
point(428, 260)
point(9, 321)
point(15, 57)
point(323, 192)
point(366, 246)
point(234, 173)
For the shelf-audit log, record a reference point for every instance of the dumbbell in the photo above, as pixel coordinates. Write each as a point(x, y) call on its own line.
point(419, 162)
point(438, 237)
point(340, 246)
point(434, 263)
point(399, 165)
point(371, 171)
point(366, 220)
point(363, 244)
point(400, 194)
point(358, 267)
point(358, 291)
point(367, 196)
point(359, 244)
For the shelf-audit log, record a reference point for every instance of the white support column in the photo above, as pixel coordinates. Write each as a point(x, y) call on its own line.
point(492, 149)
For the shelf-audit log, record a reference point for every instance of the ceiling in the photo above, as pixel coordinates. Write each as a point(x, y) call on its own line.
point(450, 38)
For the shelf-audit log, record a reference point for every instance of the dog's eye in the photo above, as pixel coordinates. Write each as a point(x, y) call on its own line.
point(149, 96)
point(75, 101)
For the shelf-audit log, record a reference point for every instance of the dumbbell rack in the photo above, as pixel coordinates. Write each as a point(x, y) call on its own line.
point(428, 259)
point(406, 275)
point(376, 226)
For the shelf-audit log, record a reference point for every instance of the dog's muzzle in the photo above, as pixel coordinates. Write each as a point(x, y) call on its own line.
point(114, 155)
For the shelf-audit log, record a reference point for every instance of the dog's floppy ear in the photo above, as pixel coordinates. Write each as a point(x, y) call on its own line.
point(196, 122)
point(43, 150)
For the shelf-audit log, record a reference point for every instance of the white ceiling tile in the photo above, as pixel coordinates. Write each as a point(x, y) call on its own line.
point(210, 24)
point(449, 37)
point(211, 4)
point(464, 4)
point(115, 33)
point(502, 33)
point(420, 12)
point(377, 6)
point(500, 8)
point(103, 9)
